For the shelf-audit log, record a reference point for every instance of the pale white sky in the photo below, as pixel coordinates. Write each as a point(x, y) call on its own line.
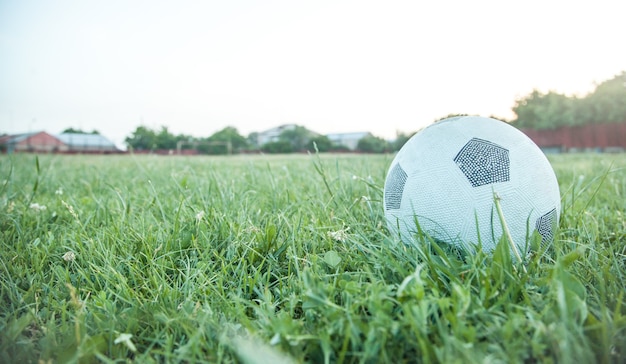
point(332, 66)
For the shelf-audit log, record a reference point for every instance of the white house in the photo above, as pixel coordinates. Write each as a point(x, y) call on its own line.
point(349, 140)
point(271, 135)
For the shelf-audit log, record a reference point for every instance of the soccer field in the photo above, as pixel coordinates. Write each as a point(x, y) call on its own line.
point(288, 259)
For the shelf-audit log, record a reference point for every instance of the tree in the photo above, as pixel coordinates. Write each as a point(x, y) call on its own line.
point(372, 144)
point(280, 146)
point(607, 103)
point(165, 139)
point(253, 139)
point(80, 131)
point(297, 136)
point(230, 134)
point(185, 142)
point(552, 110)
point(142, 139)
point(225, 141)
point(401, 139)
point(322, 143)
point(544, 111)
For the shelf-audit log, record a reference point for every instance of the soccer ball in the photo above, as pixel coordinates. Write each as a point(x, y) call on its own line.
point(445, 181)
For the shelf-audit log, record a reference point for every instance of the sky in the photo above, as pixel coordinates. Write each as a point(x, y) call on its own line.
point(331, 66)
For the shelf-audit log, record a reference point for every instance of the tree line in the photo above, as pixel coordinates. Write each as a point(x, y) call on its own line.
point(229, 140)
point(605, 104)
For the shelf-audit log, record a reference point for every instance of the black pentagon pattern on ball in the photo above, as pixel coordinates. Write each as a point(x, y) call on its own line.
point(545, 225)
point(483, 162)
point(395, 187)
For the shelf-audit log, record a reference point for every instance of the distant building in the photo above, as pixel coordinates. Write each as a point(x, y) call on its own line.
point(43, 142)
point(37, 142)
point(348, 140)
point(271, 135)
point(87, 143)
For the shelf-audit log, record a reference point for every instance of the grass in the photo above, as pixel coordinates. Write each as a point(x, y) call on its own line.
point(287, 259)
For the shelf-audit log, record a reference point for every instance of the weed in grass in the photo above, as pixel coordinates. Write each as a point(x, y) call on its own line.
point(246, 259)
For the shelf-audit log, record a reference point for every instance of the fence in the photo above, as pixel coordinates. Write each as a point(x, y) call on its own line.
point(605, 137)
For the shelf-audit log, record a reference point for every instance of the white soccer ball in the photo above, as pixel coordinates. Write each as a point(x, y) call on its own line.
point(446, 178)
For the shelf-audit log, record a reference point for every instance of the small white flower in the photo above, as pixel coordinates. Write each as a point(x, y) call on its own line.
point(37, 207)
point(354, 177)
point(199, 216)
point(59, 191)
point(125, 338)
point(69, 256)
point(339, 235)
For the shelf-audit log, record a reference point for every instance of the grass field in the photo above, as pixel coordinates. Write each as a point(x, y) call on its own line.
point(287, 259)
